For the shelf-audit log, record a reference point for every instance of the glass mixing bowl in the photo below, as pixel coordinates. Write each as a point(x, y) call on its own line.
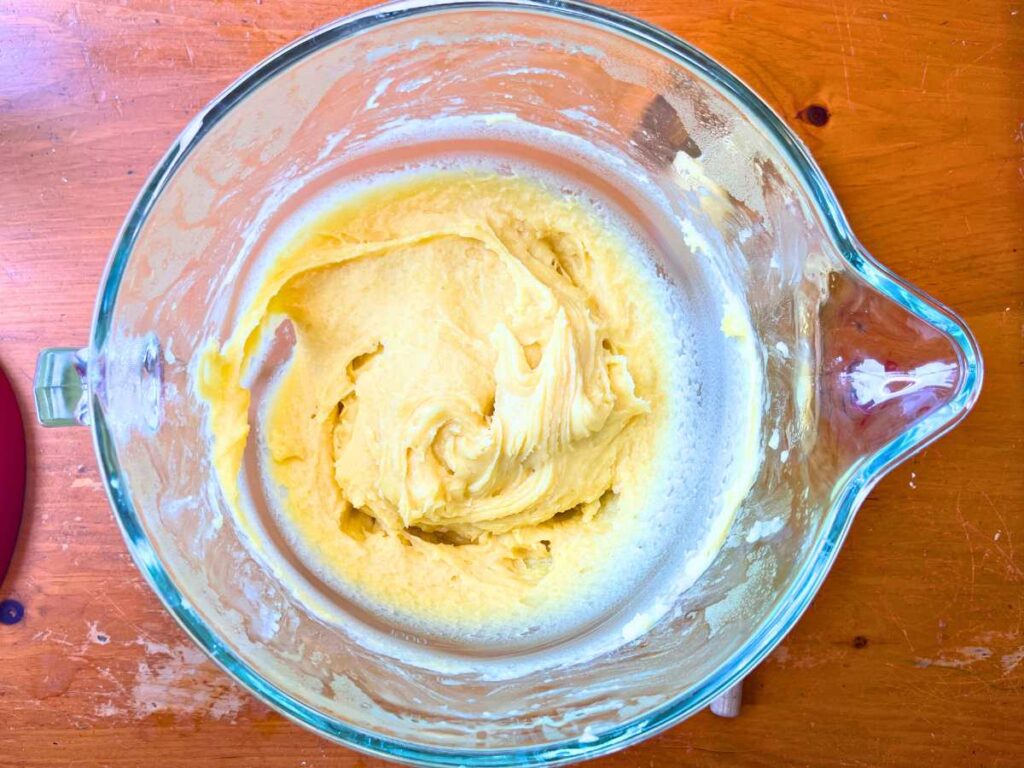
point(860, 370)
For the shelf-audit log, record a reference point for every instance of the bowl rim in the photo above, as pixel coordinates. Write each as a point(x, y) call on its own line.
point(847, 499)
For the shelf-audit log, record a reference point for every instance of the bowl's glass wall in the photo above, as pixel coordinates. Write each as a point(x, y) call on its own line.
point(833, 351)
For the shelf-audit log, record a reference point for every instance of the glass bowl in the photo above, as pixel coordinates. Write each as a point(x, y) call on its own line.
point(860, 370)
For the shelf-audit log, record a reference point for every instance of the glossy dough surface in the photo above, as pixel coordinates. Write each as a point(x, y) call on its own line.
point(467, 427)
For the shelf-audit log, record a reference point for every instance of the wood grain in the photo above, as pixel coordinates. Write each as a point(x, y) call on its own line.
point(913, 652)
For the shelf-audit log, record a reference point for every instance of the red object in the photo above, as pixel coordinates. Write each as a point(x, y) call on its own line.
point(12, 473)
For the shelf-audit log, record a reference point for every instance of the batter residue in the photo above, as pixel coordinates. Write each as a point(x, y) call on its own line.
point(468, 426)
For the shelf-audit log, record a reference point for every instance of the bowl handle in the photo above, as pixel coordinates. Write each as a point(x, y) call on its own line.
point(61, 389)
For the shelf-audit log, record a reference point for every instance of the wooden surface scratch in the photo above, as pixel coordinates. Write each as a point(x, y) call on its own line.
point(913, 652)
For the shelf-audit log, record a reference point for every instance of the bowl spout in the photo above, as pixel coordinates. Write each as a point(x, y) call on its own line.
point(897, 369)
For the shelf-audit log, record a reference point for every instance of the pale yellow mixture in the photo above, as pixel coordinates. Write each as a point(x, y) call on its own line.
point(468, 426)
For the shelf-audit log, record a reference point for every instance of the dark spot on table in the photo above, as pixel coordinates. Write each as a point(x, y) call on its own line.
point(815, 114)
point(11, 612)
point(860, 642)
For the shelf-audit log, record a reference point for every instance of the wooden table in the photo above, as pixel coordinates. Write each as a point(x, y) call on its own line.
point(912, 654)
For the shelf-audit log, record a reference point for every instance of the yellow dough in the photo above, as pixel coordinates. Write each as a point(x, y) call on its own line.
point(467, 428)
